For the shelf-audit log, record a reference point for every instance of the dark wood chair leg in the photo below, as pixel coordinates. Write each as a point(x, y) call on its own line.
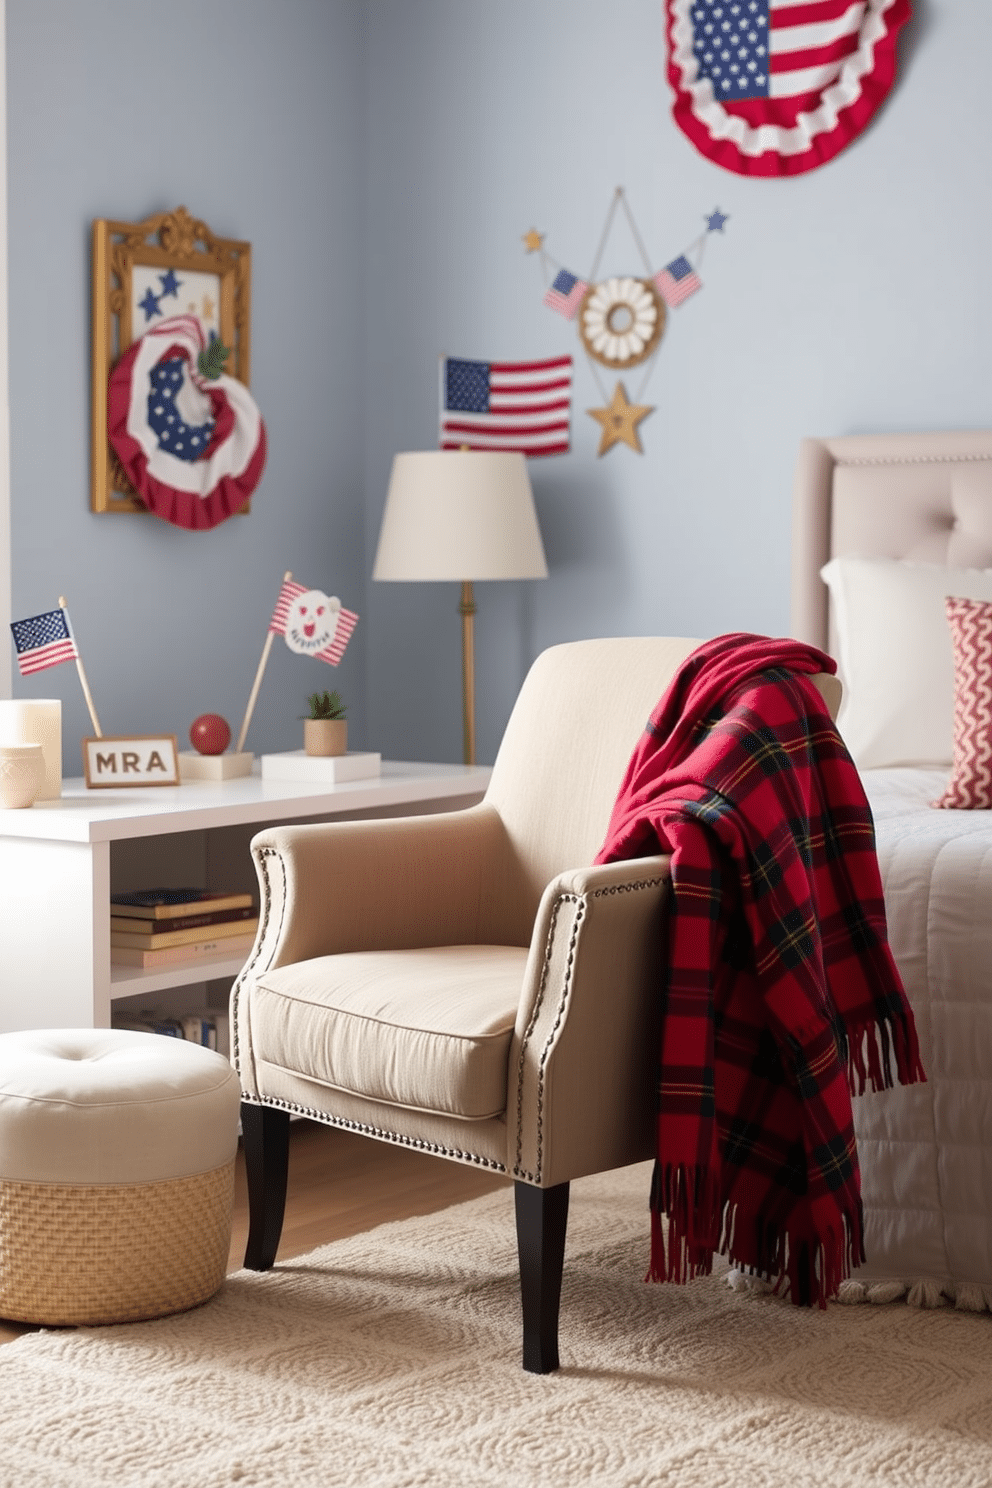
point(542, 1219)
point(265, 1136)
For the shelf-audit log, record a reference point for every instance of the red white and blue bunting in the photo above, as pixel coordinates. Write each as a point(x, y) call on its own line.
point(779, 87)
point(193, 446)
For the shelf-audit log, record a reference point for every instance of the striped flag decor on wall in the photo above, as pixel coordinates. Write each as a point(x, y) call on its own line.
point(779, 87)
point(566, 293)
point(522, 406)
point(677, 281)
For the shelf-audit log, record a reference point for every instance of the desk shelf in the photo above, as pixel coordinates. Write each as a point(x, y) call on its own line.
point(61, 860)
point(140, 981)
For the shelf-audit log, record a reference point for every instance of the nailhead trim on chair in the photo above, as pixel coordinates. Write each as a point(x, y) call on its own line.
point(518, 1170)
point(366, 1130)
point(266, 852)
point(910, 459)
point(581, 899)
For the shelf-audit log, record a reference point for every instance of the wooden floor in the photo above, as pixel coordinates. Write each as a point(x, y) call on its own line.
point(341, 1184)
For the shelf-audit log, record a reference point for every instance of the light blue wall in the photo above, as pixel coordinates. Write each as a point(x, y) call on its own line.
point(251, 113)
point(384, 159)
point(854, 298)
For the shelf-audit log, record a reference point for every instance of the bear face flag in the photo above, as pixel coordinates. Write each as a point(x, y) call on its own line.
point(779, 87)
point(311, 623)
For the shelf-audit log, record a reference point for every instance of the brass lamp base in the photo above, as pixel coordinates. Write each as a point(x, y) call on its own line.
point(467, 609)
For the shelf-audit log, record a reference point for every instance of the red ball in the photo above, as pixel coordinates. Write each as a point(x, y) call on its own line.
point(210, 734)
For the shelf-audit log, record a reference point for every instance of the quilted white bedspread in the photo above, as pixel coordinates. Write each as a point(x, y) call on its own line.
point(926, 1150)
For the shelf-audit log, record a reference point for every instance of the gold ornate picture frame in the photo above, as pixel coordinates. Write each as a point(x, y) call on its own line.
point(170, 263)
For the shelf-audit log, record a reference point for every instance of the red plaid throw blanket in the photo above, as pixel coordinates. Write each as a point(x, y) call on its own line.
point(782, 995)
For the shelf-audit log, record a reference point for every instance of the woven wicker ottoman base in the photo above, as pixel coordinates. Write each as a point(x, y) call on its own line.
point(116, 1175)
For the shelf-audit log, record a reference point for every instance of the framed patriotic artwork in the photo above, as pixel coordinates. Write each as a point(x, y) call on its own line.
point(779, 87)
point(174, 429)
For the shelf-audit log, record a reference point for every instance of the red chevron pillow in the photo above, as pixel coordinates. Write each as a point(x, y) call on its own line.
point(970, 785)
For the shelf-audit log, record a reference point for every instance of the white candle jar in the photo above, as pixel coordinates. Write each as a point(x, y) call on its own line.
point(36, 721)
point(22, 770)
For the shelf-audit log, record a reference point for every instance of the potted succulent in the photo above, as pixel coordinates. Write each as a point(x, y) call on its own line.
point(325, 727)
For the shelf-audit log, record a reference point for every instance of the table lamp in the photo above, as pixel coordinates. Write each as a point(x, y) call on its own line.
point(461, 515)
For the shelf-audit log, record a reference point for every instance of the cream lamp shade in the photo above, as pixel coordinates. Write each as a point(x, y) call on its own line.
point(460, 515)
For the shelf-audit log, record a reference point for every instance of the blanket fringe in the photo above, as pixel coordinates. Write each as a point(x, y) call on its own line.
point(966, 1296)
point(808, 1260)
point(690, 1200)
point(881, 1040)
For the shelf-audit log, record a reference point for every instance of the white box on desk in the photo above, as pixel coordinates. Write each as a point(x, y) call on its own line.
point(296, 764)
point(214, 766)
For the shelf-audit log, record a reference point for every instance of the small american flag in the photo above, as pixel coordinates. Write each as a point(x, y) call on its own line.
point(677, 281)
point(523, 406)
point(565, 294)
point(43, 641)
point(281, 616)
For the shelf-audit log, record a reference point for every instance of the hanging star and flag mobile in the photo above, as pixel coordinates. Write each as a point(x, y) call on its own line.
point(621, 320)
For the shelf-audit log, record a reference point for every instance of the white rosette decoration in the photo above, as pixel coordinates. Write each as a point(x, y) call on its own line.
point(621, 321)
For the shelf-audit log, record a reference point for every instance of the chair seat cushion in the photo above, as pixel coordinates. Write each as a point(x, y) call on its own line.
point(428, 1029)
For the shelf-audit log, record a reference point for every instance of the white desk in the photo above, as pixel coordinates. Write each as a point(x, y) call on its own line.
point(61, 860)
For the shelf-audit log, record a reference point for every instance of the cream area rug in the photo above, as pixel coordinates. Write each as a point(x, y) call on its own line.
point(392, 1360)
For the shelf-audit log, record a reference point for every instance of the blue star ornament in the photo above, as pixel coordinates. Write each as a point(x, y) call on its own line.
point(715, 221)
point(170, 284)
point(150, 305)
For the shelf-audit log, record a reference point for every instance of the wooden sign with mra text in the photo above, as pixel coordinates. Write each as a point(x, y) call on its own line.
point(147, 759)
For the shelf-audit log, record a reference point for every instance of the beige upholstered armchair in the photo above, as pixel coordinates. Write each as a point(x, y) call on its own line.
point(466, 983)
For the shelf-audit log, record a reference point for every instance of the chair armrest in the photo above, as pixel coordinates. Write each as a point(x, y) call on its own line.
point(390, 884)
point(583, 1063)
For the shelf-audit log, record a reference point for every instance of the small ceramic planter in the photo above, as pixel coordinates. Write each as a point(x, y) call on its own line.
point(324, 736)
point(22, 774)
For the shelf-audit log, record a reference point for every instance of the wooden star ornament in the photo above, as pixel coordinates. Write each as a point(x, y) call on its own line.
point(532, 240)
point(619, 420)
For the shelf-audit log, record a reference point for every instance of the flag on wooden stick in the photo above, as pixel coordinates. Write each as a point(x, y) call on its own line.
point(311, 623)
point(43, 641)
point(46, 640)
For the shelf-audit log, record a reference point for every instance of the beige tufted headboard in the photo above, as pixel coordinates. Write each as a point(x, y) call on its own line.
point(921, 496)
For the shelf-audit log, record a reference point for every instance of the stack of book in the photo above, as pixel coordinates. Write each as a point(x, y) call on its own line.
point(169, 927)
point(209, 1027)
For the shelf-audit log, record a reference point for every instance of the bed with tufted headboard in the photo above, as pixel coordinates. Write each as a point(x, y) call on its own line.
point(924, 498)
point(885, 529)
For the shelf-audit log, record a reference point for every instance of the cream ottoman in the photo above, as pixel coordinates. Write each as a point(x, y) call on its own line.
point(116, 1174)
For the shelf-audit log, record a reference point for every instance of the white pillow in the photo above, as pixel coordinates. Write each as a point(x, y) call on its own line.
point(895, 657)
